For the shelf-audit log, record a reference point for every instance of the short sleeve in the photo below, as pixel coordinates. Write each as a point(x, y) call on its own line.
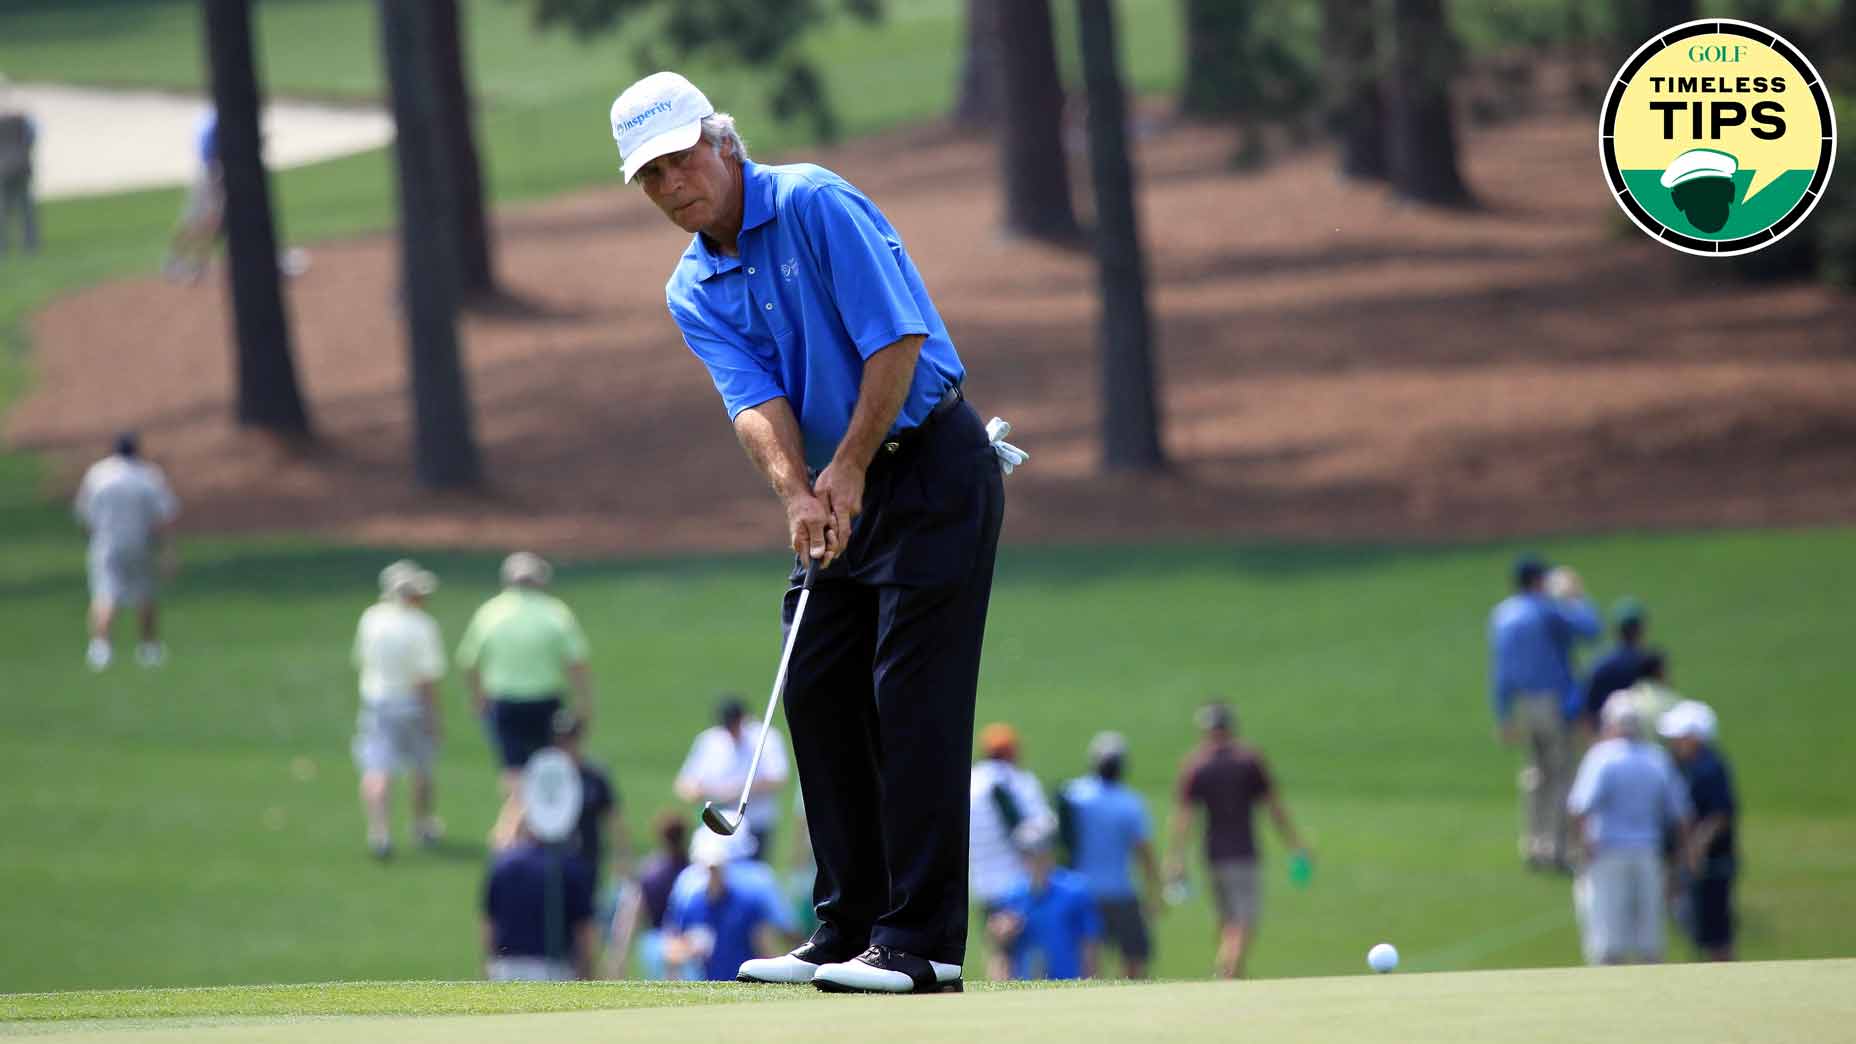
point(740, 379)
point(1190, 790)
point(773, 766)
point(573, 639)
point(1584, 792)
point(471, 645)
point(432, 651)
point(167, 505)
point(862, 258)
point(694, 767)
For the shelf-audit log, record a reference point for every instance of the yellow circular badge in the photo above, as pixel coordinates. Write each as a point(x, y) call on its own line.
point(1718, 137)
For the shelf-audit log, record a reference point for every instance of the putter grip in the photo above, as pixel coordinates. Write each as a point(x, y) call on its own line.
point(811, 574)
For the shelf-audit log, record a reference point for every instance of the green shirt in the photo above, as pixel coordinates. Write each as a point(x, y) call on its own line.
point(523, 642)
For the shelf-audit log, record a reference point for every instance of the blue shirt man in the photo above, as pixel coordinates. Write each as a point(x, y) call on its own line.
point(1620, 667)
point(844, 388)
point(1053, 924)
point(808, 299)
point(721, 925)
point(1531, 637)
point(1628, 793)
point(1108, 826)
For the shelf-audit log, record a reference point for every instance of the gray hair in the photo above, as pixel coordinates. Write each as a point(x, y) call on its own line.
point(719, 129)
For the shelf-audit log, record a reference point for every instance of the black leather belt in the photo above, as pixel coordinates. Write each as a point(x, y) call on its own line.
point(907, 437)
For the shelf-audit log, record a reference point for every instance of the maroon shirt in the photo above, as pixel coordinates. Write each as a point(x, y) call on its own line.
point(1228, 779)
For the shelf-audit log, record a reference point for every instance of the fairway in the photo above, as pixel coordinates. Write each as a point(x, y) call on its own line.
point(1695, 1004)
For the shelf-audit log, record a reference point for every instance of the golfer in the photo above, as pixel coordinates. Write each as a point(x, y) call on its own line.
point(845, 390)
point(401, 657)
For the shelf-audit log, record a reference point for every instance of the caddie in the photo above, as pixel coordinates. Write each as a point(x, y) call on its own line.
point(845, 390)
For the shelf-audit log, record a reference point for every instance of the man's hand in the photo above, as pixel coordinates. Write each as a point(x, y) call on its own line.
point(807, 518)
point(1563, 583)
point(841, 487)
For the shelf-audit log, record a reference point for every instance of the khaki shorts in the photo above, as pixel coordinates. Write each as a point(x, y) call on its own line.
point(122, 576)
point(393, 735)
point(1234, 888)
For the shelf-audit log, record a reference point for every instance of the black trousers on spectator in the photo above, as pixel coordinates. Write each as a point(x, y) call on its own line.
point(880, 692)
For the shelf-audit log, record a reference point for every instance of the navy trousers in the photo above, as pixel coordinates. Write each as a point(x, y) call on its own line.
point(880, 692)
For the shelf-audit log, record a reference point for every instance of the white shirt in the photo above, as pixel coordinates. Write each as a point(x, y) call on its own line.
point(122, 500)
point(717, 765)
point(397, 648)
point(993, 862)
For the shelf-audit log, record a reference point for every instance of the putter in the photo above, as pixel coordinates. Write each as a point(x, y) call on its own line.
point(714, 818)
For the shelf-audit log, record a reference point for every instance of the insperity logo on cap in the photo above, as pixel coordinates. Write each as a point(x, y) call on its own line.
point(1718, 137)
point(659, 114)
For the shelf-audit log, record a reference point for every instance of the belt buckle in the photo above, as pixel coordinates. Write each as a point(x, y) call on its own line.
point(891, 446)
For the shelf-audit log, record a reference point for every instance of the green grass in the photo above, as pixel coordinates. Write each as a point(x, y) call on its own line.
point(1698, 1004)
point(198, 825)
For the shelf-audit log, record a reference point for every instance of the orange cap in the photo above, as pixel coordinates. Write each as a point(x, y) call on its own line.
point(999, 739)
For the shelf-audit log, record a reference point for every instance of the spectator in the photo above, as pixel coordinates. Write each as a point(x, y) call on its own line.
point(202, 217)
point(599, 802)
point(1047, 923)
point(124, 503)
point(645, 904)
point(732, 918)
point(521, 652)
point(1106, 825)
point(717, 766)
point(401, 657)
point(1624, 798)
point(1531, 689)
point(538, 913)
point(1621, 666)
point(1652, 695)
point(1001, 797)
point(1228, 780)
point(18, 135)
point(1711, 860)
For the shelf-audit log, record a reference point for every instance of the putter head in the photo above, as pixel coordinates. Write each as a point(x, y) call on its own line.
point(715, 819)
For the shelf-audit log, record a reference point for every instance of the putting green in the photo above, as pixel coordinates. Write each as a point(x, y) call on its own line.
point(1696, 1004)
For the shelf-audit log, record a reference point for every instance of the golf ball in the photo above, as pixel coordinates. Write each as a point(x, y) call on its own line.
point(1382, 958)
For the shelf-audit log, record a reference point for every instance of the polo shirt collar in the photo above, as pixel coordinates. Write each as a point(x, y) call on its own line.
point(756, 210)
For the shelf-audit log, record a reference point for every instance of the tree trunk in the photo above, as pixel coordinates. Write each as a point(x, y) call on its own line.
point(982, 69)
point(1037, 175)
point(456, 112)
point(1130, 418)
point(268, 394)
point(444, 447)
point(1217, 82)
point(1355, 112)
point(1420, 124)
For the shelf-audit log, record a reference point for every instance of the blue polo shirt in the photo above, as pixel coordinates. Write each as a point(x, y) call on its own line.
point(733, 918)
point(1108, 821)
point(1530, 649)
point(1060, 919)
point(822, 283)
point(1630, 793)
point(1620, 668)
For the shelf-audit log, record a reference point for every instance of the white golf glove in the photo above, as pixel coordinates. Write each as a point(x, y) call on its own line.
point(1010, 456)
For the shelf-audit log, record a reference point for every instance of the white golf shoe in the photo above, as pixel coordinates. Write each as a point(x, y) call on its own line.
point(796, 967)
point(98, 655)
point(881, 969)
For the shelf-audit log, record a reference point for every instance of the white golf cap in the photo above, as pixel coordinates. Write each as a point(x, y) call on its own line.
point(527, 567)
point(1690, 719)
point(1699, 163)
point(708, 848)
point(405, 577)
point(1620, 712)
point(658, 115)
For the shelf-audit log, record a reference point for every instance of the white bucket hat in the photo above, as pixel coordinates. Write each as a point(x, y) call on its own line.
point(656, 116)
